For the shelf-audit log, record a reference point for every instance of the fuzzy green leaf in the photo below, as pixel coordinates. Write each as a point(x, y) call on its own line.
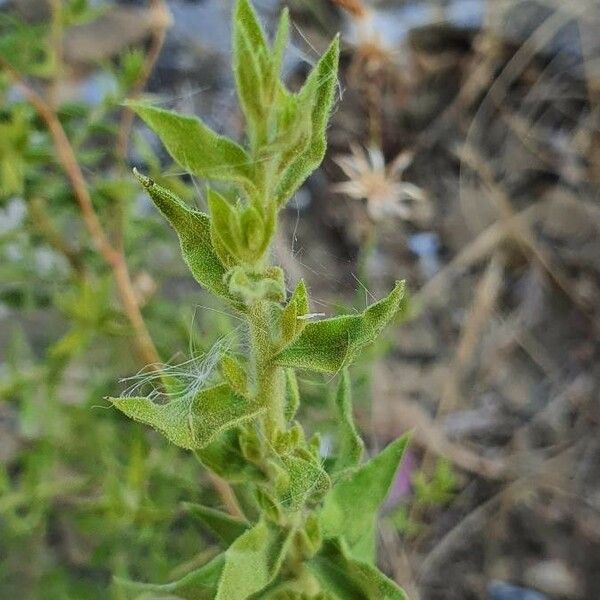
point(224, 526)
point(192, 422)
point(281, 40)
point(350, 445)
point(234, 374)
point(193, 229)
point(318, 92)
point(292, 321)
point(197, 585)
point(300, 298)
point(196, 147)
point(224, 225)
point(292, 394)
point(289, 323)
point(251, 285)
point(251, 57)
point(307, 480)
point(225, 457)
point(350, 509)
point(253, 561)
point(252, 231)
point(331, 344)
point(345, 578)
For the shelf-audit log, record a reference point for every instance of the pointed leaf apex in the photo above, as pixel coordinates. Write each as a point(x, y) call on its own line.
point(143, 179)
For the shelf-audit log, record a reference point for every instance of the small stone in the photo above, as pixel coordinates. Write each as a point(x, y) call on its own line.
point(498, 590)
point(553, 577)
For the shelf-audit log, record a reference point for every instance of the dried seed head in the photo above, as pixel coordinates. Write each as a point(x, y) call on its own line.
point(382, 186)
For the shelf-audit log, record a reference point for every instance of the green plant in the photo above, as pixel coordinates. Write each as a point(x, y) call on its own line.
point(306, 527)
point(81, 490)
point(429, 492)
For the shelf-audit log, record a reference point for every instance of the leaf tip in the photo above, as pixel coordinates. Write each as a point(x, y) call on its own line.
point(146, 182)
point(400, 287)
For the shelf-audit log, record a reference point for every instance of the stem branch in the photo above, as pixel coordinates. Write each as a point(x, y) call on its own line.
point(114, 258)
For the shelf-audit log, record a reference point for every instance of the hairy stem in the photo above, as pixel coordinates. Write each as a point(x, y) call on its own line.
point(270, 382)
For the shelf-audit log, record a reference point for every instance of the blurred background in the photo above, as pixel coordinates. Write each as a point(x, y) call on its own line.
point(463, 157)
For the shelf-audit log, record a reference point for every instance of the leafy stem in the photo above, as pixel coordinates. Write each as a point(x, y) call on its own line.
point(312, 518)
point(270, 384)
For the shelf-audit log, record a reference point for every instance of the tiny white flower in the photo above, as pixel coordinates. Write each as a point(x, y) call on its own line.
point(381, 185)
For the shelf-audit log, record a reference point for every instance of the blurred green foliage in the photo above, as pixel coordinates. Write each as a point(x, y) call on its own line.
point(428, 493)
point(83, 490)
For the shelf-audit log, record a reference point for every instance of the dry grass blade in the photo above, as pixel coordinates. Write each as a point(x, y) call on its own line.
point(522, 232)
point(480, 314)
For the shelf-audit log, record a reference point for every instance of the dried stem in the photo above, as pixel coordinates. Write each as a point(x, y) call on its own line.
point(522, 232)
point(226, 494)
point(114, 258)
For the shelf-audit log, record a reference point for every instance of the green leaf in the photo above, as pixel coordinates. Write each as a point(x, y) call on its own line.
point(345, 578)
point(224, 225)
point(192, 422)
point(307, 481)
point(252, 230)
point(318, 92)
point(224, 526)
point(279, 45)
point(225, 457)
point(250, 62)
point(281, 40)
point(197, 585)
point(252, 285)
point(289, 323)
point(350, 445)
point(292, 321)
point(234, 374)
point(350, 509)
point(253, 561)
point(193, 229)
point(329, 345)
point(292, 394)
point(196, 147)
point(300, 298)
point(291, 589)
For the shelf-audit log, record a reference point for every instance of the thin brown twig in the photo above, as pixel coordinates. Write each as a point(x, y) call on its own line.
point(477, 519)
point(522, 232)
point(482, 308)
point(114, 258)
point(403, 415)
point(474, 252)
point(227, 495)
